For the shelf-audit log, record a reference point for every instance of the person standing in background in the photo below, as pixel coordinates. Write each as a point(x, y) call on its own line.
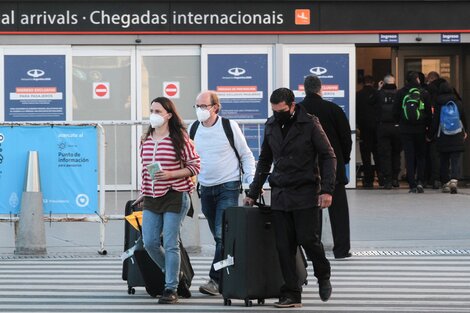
point(388, 133)
point(367, 125)
point(337, 129)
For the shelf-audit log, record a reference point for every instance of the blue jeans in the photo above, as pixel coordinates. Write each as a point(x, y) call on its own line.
point(167, 224)
point(214, 200)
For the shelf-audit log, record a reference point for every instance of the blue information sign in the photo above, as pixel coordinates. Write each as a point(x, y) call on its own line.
point(67, 167)
point(333, 71)
point(241, 81)
point(34, 87)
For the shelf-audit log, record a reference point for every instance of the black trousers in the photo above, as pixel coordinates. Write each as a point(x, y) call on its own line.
point(414, 146)
point(433, 165)
point(389, 148)
point(368, 147)
point(339, 220)
point(452, 160)
point(294, 228)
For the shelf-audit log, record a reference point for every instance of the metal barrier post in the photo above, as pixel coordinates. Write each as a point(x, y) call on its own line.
point(31, 236)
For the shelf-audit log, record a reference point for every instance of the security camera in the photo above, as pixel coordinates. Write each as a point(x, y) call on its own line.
point(138, 40)
point(418, 39)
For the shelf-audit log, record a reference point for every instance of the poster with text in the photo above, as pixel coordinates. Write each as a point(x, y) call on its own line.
point(68, 167)
point(34, 87)
point(241, 82)
point(335, 66)
point(333, 71)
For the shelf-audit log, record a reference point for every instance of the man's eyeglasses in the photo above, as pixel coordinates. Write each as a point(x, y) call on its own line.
point(202, 106)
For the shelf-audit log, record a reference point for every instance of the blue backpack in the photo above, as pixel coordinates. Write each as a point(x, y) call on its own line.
point(450, 123)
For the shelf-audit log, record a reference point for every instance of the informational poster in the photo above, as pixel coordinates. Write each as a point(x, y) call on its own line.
point(68, 167)
point(34, 87)
point(333, 71)
point(335, 66)
point(241, 80)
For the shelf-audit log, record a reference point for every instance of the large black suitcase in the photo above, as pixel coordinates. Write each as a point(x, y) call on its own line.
point(141, 271)
point(248, 237)
point(130, 270)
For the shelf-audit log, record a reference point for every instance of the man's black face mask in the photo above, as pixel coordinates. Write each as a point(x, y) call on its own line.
point(282, 117)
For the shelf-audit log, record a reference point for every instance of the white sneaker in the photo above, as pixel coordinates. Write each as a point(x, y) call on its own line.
point(446, 187)
point(453, 186)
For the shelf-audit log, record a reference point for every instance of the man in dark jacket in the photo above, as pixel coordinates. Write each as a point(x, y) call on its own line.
point(388, 133)
point(367, 125)
point(336, 126)
point(414, 117)
point(297, 145)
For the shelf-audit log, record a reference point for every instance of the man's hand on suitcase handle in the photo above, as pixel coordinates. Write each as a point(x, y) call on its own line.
point(248, 201)
point(324, 200)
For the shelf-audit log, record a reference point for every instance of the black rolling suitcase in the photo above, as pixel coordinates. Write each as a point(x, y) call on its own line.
point(248, 237)
point(140, 270)
point(155, 279)
point(130, 270)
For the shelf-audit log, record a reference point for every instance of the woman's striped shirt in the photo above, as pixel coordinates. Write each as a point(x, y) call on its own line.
point(163, 151)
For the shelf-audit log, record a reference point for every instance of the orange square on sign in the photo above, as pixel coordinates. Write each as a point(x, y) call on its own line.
point(302, 17)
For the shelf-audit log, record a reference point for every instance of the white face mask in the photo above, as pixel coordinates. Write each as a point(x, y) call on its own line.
point(202, 115)
point(156, 120)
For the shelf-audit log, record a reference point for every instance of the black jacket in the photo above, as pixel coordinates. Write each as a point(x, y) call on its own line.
point(295, 179)
point(336, 126)
point(424, 126)
point(365, 108)
point(448, 143)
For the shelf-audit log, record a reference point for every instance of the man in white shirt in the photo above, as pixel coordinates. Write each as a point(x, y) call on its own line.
point(222, 163)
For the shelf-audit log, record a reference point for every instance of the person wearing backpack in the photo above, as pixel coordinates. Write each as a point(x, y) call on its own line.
point(388, 133)
point(412, 111)
point(226, 162)
point(450, 130)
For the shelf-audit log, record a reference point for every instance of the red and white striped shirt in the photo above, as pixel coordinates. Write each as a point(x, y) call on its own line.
point(163, 151)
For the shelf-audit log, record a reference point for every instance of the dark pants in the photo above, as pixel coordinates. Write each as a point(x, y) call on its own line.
point(452, 160)
point(389, 148)
point(432, 163)
point(299, 227)
point(339, 220)
point(414, 146)
point(368, 147)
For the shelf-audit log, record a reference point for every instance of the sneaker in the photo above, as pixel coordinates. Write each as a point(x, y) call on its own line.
point(453, 186)
point(419, 188)
point(285, 302)
point(324, 289)
point(436, 184)
point(169, 297)
point(210, 288)
point(446, 188)
point(395, 183)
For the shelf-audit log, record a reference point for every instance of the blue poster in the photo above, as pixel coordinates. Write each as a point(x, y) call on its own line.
point(241, 81)
point(333, 71)
point(34, 87)
point(68, 167)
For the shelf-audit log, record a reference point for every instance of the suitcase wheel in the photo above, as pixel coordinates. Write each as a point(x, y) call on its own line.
point(227, 302)
point(260, 301)
point(130, 290)
point(248, 302)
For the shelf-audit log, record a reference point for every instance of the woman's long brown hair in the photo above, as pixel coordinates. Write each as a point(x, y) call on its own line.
point(175, 124)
